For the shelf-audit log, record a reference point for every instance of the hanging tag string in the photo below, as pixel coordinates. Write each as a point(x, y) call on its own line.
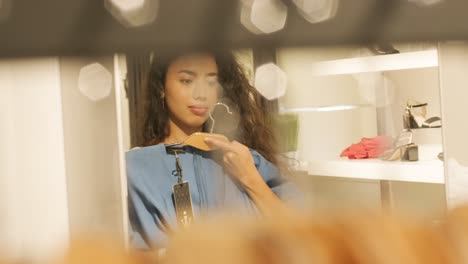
point(178, 168)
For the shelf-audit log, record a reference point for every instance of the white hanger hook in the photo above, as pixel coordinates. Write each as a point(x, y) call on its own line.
point(211, 117)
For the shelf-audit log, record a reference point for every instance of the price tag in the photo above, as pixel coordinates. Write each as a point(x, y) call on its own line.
point(183, 203)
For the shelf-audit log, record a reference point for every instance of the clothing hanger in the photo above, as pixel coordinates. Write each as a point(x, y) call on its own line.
point(181, 190)
point(211, 117)
point(197, 139)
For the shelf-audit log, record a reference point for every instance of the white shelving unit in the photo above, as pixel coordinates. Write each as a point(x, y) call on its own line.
point(425, 171)
point(404, 72)
point(428, 171)
point(380, 63)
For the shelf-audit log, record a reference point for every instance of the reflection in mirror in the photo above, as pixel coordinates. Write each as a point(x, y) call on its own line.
point(179, 97)
point(85, 139)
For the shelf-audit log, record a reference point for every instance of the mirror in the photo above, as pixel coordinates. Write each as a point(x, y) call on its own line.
point(68, 123)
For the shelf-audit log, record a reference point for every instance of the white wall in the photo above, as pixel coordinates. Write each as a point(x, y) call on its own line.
point(33, 199)
point(60, 160)
point(91, 153)
point(453, 57)
point(121, 74)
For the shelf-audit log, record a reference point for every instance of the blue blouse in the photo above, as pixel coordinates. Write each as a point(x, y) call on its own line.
point(150, 180)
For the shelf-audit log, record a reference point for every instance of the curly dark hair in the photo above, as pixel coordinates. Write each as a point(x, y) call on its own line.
point(255, 124)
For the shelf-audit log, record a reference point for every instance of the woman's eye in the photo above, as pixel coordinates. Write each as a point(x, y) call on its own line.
point(186, 81)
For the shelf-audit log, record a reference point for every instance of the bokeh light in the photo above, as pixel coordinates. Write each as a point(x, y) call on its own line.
point(270, 81)
point(263, 16)
point(95, 81)
point(316, 11)
point(133, 13)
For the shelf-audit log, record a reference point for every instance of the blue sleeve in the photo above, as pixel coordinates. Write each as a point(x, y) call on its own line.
point(146, 206)
point(285, 189)
point(146, 225)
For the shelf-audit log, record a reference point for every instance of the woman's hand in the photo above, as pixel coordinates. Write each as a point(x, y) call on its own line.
point(238, 161)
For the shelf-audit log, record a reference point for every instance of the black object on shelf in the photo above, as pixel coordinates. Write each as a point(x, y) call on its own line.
point(383, 49)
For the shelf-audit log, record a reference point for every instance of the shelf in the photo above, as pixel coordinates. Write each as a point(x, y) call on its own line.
point(400, 61)
point(427, 171)
point(329, 108)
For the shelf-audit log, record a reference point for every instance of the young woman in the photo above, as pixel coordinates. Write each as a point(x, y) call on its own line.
point(181, 92)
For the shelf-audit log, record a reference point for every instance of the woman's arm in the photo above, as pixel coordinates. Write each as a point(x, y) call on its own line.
point(264, 198)
point(239, 163)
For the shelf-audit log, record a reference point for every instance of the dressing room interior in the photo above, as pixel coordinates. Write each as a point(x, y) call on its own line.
point(243, 131)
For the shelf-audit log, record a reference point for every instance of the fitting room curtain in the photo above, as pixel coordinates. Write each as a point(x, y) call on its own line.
point(137, 69)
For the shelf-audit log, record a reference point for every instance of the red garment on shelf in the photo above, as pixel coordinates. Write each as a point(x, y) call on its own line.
point(368, 148)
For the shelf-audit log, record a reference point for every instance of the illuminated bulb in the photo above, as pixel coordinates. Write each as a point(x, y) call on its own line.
point(133, 13)
point(246, 21)
point(316, 11)
point(270, 81)
point(95, 82)
point(263, 16)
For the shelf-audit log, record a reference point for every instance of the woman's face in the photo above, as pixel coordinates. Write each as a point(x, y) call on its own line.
point(191, 89)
